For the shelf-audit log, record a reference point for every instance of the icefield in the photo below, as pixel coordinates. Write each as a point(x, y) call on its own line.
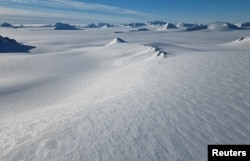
point(109, 94)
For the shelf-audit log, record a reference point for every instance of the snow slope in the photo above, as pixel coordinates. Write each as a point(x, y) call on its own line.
point(75, 98)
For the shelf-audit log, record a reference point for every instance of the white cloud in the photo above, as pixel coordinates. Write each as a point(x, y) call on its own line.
point(36, 11)
point(77, 5)
point(24, 16)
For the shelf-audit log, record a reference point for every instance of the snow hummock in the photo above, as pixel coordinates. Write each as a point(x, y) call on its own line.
point(116, 40)
point(242, 42)
point(64, 26)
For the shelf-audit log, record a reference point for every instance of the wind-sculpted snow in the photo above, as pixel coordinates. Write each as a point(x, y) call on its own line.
point(76, 98)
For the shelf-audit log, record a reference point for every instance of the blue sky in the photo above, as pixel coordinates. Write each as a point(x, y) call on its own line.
point(123, 11)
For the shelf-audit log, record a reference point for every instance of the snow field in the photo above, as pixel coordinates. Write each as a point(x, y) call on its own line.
point(74, 97)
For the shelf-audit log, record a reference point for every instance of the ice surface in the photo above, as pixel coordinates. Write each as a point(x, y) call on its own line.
point(75, 98)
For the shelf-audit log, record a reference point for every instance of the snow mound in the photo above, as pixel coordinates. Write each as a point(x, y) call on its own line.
point(116, 41)
point(6, 24)
point(242, 41)
point(64, 26)
point(159, 52)
point(167, 26)
point(8, 45)
point(222, 26)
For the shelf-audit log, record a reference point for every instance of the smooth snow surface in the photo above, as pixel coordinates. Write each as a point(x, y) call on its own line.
point(74, 98)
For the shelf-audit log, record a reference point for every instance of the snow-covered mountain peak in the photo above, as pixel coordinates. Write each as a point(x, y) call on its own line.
point(116, 40)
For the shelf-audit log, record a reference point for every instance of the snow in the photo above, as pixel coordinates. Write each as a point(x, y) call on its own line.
point(222, 26)
point(74, 97)
point(245, 25)
point(183, 25)
point(242, 42)
point(167, 26)
point(116, 41)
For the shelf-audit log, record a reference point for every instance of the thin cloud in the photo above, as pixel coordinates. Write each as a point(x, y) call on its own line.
point(66, 10)
point(71, 4)
point(29, 16)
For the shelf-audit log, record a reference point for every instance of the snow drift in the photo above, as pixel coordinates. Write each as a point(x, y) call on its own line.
point(243, 43)
point(76, 98)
